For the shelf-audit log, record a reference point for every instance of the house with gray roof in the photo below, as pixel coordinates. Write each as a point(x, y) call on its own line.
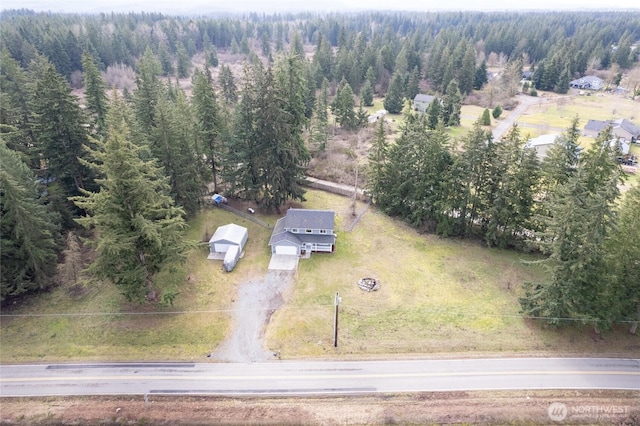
point(303, 231)
point(622, 128)
point(587, 82)
point(421, 102)
point(542, 144)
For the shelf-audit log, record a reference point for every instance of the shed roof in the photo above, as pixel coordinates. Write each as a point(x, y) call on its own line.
point(543, 140)
point(231, 233)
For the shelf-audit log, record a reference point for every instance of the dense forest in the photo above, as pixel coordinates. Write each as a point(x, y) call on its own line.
point(131, 163)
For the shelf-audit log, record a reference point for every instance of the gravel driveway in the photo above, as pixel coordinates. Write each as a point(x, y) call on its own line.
point(256, 301)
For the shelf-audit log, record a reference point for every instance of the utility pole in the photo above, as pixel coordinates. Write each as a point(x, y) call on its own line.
point(336, 303)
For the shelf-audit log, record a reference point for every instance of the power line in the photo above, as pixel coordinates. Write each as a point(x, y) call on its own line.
point(308, 307)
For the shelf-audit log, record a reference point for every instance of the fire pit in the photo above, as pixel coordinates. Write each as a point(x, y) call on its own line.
point(368, 284)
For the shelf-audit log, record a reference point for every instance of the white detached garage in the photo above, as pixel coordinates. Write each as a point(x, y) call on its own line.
point(225, 237)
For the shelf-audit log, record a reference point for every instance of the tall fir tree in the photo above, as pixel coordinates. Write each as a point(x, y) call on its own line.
point(452, 105)
point(510, 214)
point(171, 143)
point(366, 93)
point(59, 127)
point(147, 92)
point(139, 227)
point(208, 123)
point(14, 109)
point(377, 162)
point(394, 99)
point(582, 218)
point(343, 106)
point(319, 133)
point(28, 231)
point(96, 97)
point(623, 263)
point(228, 85)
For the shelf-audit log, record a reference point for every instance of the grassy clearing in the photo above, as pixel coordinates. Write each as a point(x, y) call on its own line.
point(437, 296)
point(562, 110)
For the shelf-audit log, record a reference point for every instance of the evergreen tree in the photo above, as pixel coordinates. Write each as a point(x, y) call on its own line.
point(208, 124)
point(452, 105)
point(471, 185)
point(377, 161)
point(212, 56)
point(267, 144)
point(171, 143)
point(412, 184)
point(366, 93)
point(434, 113)
point(486, 117)
point(228, 85)
point(297, 48)
point(166, 63)
point(623, 262)
point(394, 99)
point(582, 217)
point(14, 109)
point(413, 84)
point(466, 74)
point(28, 232)
point(497, 112)
point(343, 106)
point(184, 62)
point(139, 228)
point(480, 76)
point(96, 97)
point(562, 84)
point(58, 126)
point(320, 124)
point(147, 92)
point(510, 214)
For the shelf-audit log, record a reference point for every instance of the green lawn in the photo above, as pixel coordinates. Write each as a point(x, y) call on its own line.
point(437, 296)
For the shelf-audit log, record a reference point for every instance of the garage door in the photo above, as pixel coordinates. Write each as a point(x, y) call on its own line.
point(221, 248)
point(289, 250)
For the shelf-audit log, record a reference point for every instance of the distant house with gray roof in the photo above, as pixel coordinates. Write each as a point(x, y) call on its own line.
point(303, 231)
point(421, 102)
point(622, 128)
point(590, 82)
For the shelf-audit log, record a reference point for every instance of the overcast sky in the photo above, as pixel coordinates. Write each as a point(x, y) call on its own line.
point(212, 6)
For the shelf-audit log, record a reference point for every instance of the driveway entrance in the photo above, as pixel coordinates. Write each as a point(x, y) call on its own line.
point(283, 262)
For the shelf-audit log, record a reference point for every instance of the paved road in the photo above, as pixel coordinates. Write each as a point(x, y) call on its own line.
point(319, 377)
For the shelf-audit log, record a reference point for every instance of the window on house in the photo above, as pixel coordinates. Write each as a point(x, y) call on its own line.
point(323, 231)
point(308, 231)
point(294, 230)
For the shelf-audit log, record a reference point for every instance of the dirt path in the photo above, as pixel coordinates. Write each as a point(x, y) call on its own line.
point(256, 301)
point(505, 124)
